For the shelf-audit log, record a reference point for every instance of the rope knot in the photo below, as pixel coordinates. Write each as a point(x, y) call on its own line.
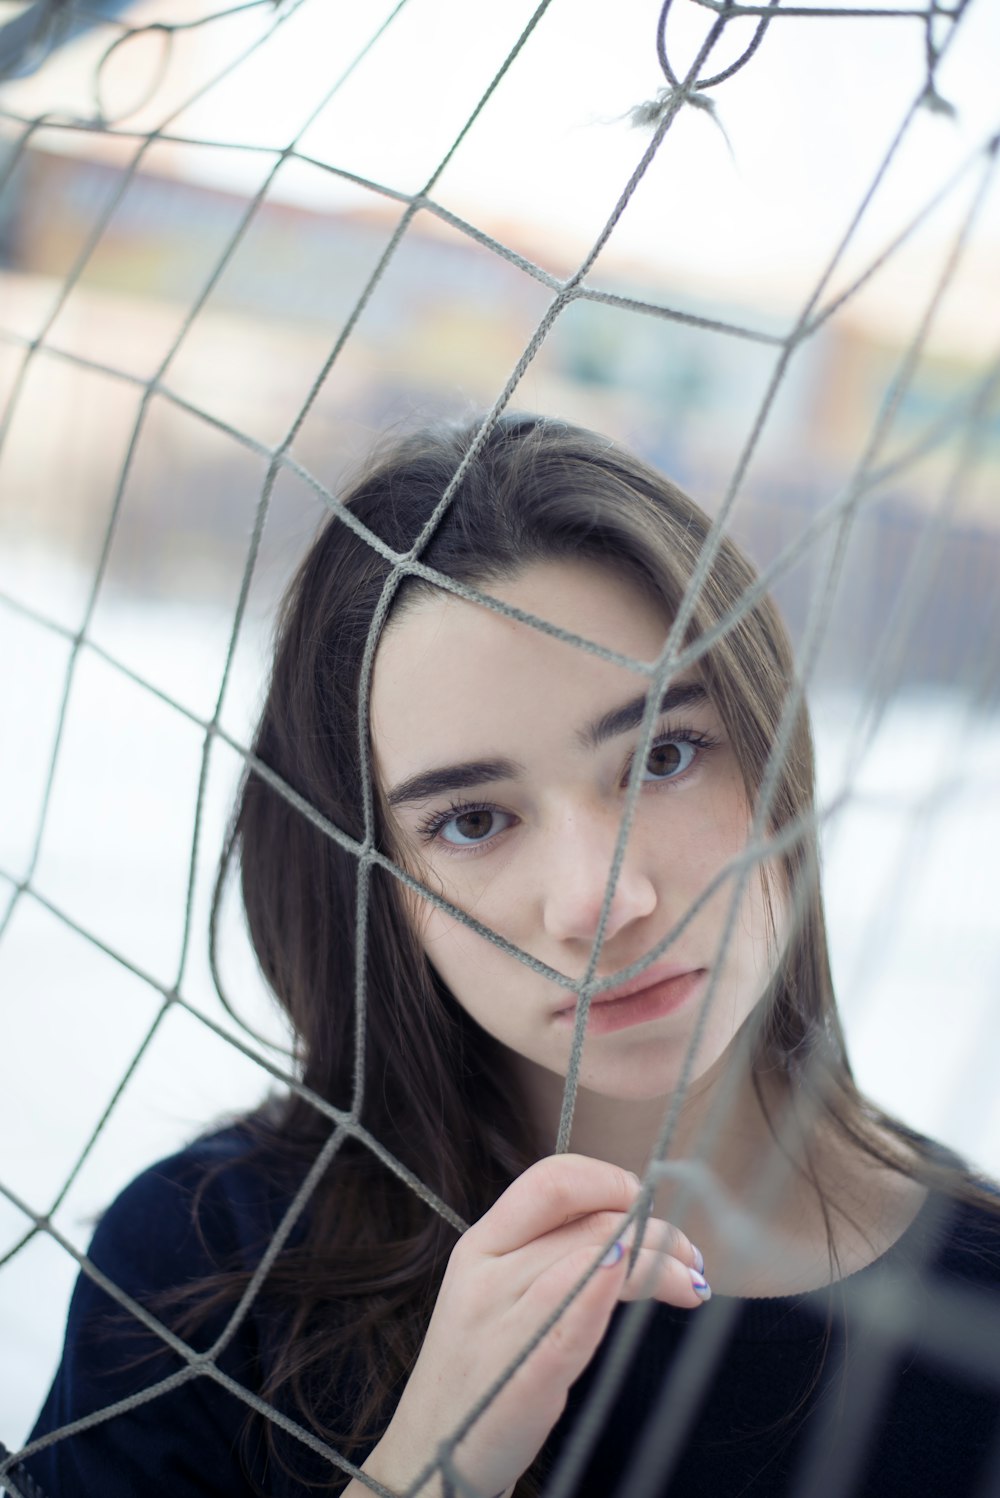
point(932, 100)
point(653, 111)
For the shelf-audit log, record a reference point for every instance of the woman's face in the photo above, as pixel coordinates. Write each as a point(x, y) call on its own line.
point(504, 755)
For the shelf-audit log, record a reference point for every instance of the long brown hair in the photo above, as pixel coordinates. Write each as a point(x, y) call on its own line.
point(355, 1292)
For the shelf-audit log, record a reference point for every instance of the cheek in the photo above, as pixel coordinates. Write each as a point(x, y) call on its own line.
point(441, 938)
point(703, 846)
point(469, 964)
point(759, 938)
point(763, 913)
point(714, 846)
point(457, 953)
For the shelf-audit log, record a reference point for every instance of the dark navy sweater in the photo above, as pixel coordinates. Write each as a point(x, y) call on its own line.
point(772, 1402)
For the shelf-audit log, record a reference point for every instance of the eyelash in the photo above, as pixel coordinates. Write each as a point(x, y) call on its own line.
point(428, 829)
point(702, 742)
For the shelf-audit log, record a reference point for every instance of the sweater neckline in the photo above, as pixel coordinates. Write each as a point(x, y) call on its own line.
point(806, 1313)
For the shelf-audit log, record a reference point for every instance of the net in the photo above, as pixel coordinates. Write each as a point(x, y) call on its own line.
point(105, 102)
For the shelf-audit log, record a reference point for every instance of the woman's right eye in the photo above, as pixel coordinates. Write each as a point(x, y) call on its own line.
point(473, 825)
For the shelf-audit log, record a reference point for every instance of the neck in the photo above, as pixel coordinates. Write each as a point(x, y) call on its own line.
point(718, 1120)
point(747, 1198)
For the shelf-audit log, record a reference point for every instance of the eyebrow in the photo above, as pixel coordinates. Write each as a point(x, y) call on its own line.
point(621, 719)
point(465, 776)
point(453, 778)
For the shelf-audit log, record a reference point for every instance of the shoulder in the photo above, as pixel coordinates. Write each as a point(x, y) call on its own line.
point(166, 1243)
point(209, 1207)
point(940, 1215)
point(959, 1225)
point(967, 1236)
point(205, 1213)
point(151, 1243)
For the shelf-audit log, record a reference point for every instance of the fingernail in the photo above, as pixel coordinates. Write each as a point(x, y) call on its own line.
point(701, 1285)
point(699, 1258)
point(613, 1255)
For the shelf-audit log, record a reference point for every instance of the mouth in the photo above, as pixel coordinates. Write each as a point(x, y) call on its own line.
point(659, 991)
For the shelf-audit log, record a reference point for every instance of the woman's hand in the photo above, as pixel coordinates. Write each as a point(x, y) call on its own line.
point(505, 1277)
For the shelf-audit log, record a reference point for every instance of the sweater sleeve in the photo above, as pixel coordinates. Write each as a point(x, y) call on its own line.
point(189, 1441)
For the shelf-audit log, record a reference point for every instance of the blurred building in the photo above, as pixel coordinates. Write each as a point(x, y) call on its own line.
point(109, 263)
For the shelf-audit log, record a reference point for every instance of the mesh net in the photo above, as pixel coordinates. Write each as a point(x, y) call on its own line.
point(887, 569)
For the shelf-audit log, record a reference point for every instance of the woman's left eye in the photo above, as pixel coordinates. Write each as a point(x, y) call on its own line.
point(471, 826)
point(668, 759)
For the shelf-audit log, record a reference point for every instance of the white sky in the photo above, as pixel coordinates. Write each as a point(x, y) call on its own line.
point(808, 119)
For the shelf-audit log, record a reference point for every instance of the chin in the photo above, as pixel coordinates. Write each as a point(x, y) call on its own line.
point(636, 1084)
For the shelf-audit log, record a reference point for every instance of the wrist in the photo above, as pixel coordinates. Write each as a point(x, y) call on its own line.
point(391, 1463)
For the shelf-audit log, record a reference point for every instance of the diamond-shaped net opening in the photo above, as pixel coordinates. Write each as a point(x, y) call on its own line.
point(235, 245)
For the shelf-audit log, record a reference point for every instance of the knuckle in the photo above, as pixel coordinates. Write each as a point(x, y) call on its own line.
point(555, 1179)
point(664, 1238)
point(562, 1177)
point(621, 1182)
point(665, 1279)
point(564, 1340)
point(652, 1279)
point(575, 1335)
point(600, 1226)
point(463, 1257)
point(462, 1250)
point(631, 1184)
point(680, 1246)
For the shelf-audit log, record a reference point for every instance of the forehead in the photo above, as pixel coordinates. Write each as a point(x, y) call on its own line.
point(451, 675)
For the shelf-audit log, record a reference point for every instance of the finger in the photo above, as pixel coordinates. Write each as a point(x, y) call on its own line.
point(663, 1237)
point(551, 1193)
point(572, 1340)
point(661, 1277)
point(598, 1230)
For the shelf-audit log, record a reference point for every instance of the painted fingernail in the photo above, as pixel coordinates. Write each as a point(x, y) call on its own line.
point(701, 1285)
point(613, 1255)
point(699, 1258)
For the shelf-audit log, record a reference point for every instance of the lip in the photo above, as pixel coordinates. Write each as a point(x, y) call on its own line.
point(659, 991)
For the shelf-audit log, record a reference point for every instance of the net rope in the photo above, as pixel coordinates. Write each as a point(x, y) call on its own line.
point(960, 1332)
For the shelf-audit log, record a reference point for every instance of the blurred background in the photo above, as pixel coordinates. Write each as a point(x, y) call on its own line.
point(192, 202)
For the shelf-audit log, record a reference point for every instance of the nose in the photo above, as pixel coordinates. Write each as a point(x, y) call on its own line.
point(575, 879)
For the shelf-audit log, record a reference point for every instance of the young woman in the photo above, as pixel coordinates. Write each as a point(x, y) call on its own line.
point(433, 1057)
